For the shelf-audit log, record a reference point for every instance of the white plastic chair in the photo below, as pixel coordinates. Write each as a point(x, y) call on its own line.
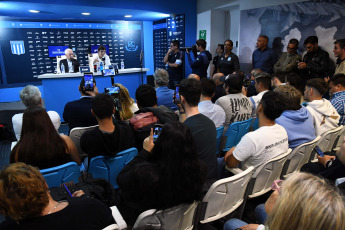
point(326, 141)
point(180, 217)
point(298, 157)
point(119, 221)
point(76, 134)
point(226, 195)
point(339, 140)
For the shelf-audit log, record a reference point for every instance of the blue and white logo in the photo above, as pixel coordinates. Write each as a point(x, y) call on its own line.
point(17, 47)
point(131, 46)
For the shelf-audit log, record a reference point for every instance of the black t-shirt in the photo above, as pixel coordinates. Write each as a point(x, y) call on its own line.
point(98, 143)
point(80, 213)
point(227, 65)
point(175, 73)
point(205, 138)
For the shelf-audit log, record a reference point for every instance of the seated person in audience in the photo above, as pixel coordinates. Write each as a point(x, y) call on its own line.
point(262, 85)
point(26, 200)
point(251, 91)
point(30, 96)
point(296, 119)
point(111, 136)
point(220, 92)
point(278, 79)
point(337, 94)
point(206, 107)
point(237, 106)
point(165, 96)
point(329, 166)
point(71, 65)
point(303, 201)
point(40, 145)
point(324, 114)
point(263, 144)
point(128, 106)
point(193, 75)
point(78, 113)
point(288, 61)
point(148, 114)
point(202, 128)
point(164, 174)
point(102, 56)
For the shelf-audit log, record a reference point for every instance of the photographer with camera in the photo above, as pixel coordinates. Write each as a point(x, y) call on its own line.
point(173, 61)
point(200, 64)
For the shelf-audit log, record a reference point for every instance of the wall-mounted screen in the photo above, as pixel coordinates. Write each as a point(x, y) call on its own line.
point(56, 50)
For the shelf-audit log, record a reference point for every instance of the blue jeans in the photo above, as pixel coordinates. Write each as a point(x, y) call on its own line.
point(234, 223)
point(260, 213)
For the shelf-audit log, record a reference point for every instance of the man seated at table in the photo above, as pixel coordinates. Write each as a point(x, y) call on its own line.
point(102, 56)
point(71, 65)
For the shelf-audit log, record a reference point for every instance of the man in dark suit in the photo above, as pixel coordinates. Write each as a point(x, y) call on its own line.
point(78, 113)
point(71, 65)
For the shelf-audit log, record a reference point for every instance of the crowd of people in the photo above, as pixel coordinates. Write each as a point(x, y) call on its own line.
point(287, 96)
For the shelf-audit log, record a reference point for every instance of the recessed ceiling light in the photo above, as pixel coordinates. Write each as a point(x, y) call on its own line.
point(128, 16)
point(85, 13)
point(34, 11)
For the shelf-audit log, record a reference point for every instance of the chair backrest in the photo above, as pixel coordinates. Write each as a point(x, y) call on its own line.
point(298, 157)
point(58, 175)
point(178, 218)
point(327, 139)
point(90, 59)
point(235, 132)
point(339, 139)
point(226, 195)
point(108, 168)
point(76, 134)
point(265, 174)
point(219, 136)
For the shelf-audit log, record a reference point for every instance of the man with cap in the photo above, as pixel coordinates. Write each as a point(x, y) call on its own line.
point(164, 94)
point(237, 106)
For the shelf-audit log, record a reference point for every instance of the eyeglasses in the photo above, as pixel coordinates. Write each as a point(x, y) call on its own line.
point(277, 185)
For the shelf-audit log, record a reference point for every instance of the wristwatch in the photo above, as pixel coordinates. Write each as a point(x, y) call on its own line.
point(328, 163)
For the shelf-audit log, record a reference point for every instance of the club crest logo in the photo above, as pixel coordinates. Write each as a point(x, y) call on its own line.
point(131, 46)
point(17, 47)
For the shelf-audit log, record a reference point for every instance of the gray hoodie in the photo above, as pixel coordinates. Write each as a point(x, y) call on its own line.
point(325, 116)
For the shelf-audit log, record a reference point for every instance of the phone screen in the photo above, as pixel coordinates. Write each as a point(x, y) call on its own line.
point(318, 151)
point(177, 94)
point(156, 132)
point(112, 90)
point(88, 82)
point(108, 72)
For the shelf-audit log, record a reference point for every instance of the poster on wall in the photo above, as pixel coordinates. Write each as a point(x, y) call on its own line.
point(29, 49)
point(323, 18)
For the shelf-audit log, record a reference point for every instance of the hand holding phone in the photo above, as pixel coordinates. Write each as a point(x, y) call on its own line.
point(156, 132)
point(176, 96)
point(88, 78)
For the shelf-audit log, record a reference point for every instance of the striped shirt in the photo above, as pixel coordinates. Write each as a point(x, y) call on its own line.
point(338, 101)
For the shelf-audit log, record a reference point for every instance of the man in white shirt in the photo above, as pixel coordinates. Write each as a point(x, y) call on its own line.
point(206, 107)
point(102, 56)
point(30, 96)
point(263, 144)
point(262, 85)
point(324, 114)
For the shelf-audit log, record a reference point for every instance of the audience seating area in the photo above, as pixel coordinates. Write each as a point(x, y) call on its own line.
point(235, 132)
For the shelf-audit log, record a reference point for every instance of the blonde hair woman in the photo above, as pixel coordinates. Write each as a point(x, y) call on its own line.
point(129, 107)
point(302, 202)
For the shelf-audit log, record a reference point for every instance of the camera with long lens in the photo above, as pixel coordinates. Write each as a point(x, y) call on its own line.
point(189, 49)
point(115, 92)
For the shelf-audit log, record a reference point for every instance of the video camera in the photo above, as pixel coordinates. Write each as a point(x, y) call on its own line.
point(191, 48)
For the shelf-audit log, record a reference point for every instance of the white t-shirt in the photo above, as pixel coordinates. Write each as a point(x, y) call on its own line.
point(256, 101)
point(261, 145)
point(237, 107)
point(107, 59)
point(17, 121)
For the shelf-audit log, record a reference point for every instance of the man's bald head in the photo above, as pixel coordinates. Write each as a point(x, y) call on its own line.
point(195, 76)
